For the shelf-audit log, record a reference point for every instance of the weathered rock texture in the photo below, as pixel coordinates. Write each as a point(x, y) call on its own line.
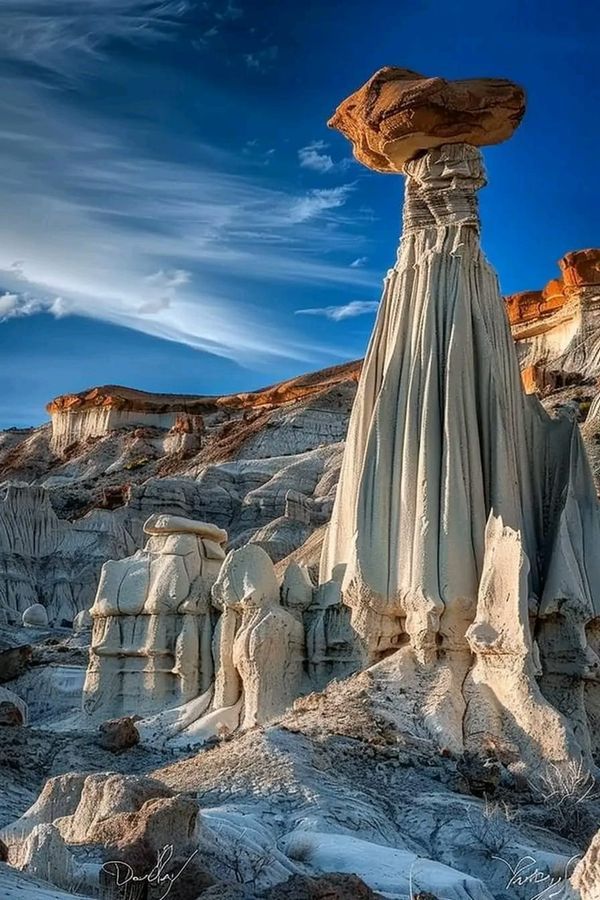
point(586, 877)
point(191, 668)
point(152, 631)
point(465, 518)
point(50, 561)
point(557, 330)
point(398, 114)
point(260, 645)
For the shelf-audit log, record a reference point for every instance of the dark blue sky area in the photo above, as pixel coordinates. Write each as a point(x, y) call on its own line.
point(173, 201)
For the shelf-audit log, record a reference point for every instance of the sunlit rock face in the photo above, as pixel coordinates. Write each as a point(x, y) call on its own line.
point(152, 623)
point(399, 113)
point(557, 329)
point(186, 418)
point(93, 413)
point(465, 518)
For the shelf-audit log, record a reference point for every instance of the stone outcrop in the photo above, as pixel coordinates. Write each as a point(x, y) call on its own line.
point(398, 114)
point(152, 626)
point(557, 329)
point(586, 877)
point(15, 655)
point(96, 412)
point(259, 644)
point(13, 711)
point(271, 643)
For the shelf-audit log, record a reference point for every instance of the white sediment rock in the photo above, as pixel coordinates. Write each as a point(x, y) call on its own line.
point(462, 508)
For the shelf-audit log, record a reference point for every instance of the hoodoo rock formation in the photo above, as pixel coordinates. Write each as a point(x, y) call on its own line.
point(557, 329)
point(197, 645)
point(465, 517)
point(152, 628)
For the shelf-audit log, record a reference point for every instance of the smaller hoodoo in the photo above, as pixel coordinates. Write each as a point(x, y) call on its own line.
point(466, 525)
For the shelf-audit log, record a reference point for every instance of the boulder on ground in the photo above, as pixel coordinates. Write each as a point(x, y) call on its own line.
point(35, 616)
point(13, 710)
point(117, 735)
point(82, 621)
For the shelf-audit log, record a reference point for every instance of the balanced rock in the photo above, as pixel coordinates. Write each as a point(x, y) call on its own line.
point(399, 113)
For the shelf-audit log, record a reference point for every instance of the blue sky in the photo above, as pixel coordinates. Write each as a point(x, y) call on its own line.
point(172, 198)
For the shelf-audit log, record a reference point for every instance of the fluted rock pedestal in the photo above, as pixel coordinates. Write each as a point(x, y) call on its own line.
point(466, 524)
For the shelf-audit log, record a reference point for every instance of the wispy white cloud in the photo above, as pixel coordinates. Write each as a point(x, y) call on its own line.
point(314, 158)
point(359, 262)
point(318, 201)
point(105, 228)
point(162, 289)
point(56, 35)
point(339, 313)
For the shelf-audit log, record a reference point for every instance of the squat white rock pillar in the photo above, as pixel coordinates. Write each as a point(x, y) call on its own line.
point(152, 622)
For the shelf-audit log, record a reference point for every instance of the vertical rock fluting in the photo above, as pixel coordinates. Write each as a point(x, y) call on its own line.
point(466, 521)
point(152, 624)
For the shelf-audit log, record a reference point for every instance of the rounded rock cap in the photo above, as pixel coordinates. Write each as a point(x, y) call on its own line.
point(164, 523)
point(399, 113)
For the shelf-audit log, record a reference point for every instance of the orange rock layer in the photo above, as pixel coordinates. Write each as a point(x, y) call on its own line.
point(579, 269)
point(116, 397)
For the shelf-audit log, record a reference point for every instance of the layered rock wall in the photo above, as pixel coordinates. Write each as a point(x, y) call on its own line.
point(557, 329)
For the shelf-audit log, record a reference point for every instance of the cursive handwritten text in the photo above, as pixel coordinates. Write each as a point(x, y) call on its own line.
point(124, 874)
point(526, 872)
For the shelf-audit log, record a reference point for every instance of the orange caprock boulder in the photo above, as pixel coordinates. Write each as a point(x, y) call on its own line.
point(399, 113)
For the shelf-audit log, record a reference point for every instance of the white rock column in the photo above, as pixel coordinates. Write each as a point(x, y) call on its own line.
point(444, 453)
point(152, 622)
